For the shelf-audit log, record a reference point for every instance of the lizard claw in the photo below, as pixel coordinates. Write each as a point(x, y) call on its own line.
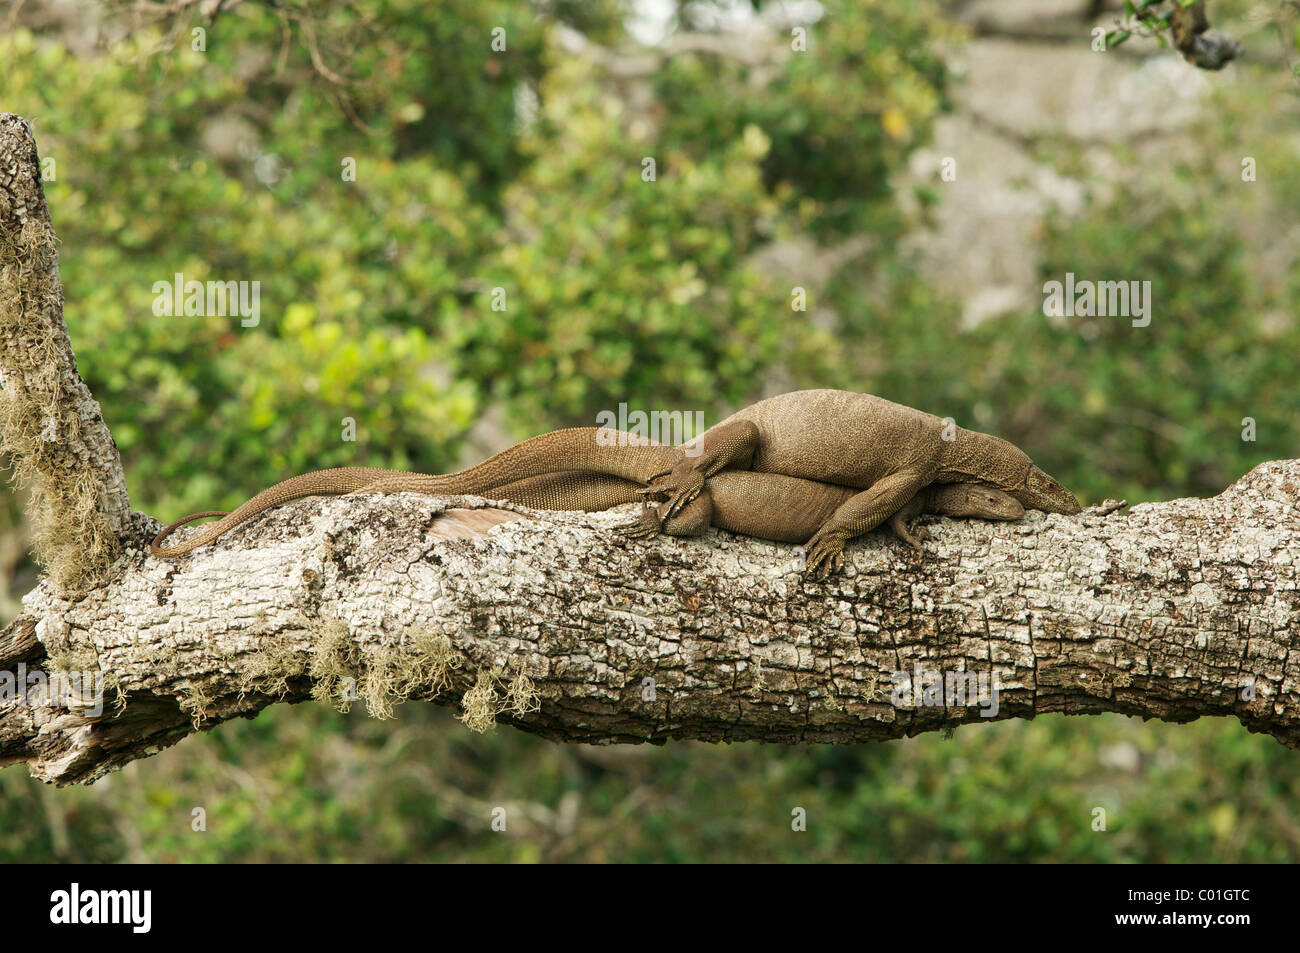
point(913, 538)
point(825, 555)
point(647, 525)
point(687, 490)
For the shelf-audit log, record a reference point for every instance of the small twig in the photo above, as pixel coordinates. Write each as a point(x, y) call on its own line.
point(1106, 507)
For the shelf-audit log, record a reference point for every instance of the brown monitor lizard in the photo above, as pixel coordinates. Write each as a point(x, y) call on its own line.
point(762, 505)
point(886, 450)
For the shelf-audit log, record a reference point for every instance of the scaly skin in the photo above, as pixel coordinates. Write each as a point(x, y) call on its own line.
point(579, 448)
point(954, 499)
point(886, 450)
point(762, 505)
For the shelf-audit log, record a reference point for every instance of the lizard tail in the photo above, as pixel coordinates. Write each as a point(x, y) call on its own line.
point(592, 449)
point(316, 483)
point(570, 490)
point(156, 550)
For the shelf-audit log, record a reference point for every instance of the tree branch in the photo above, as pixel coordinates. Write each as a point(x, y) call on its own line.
point(556, 625)
point(50, 426)
point(1202, 47)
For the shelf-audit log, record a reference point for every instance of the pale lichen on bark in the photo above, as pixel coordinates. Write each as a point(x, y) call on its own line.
point(51, 428)
point(561, 627)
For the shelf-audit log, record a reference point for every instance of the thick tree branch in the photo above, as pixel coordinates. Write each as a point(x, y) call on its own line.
point(557, 625)
point(50, 426)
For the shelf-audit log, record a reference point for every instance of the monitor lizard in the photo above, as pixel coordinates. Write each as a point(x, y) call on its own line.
point(762, 505)
point(887, 451)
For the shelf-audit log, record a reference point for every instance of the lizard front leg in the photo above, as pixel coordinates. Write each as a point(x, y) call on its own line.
point(727, 445)
point(694, 520)
point(861, 513)
point(910, 510)
point(913, 537)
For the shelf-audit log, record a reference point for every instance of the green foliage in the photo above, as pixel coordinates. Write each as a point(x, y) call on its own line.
point(351, 275)
point(842, 116)
point(306, 783)
point(1162, 406)
point(610, 278)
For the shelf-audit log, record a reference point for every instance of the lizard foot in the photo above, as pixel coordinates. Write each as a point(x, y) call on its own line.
point(825, 554)
point(913, 537)
point(687, 487)
point(647, 525)
point(646, 492)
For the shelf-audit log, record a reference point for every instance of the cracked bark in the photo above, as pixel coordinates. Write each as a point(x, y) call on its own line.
point(1173, 610)
point(51, 426)
point(1167, 611)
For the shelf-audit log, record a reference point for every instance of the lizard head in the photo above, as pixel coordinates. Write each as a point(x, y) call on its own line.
point(991, 461)
point(1041, 492)
point(971, 499)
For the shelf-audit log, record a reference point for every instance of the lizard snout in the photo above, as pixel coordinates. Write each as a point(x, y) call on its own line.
point(1044, 493)
point(1006, 507)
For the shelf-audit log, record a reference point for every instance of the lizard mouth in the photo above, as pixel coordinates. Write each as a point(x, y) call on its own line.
point(1044, 493)
point(1012, 508)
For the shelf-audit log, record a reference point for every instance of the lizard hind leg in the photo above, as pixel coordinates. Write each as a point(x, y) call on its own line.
point(646, 525)
point(913, 537)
